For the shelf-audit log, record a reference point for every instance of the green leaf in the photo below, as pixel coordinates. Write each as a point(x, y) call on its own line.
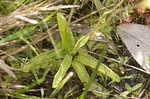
point(66, 33)
point(42, 60)
point(81, 71)
point(137, 86)
point(21, 33)
point(49, 16)
point(81, 42)
point(84, 77)
point(90, 61)
point(61, 84)
point(66, 63)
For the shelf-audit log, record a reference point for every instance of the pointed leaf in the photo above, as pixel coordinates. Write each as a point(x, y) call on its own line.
point(90, 61)
point(81, 42)
point(66, 63)
point(66, 33)
point(42, 60)
point(83, 75)
point(61, 84)
point(81, 71)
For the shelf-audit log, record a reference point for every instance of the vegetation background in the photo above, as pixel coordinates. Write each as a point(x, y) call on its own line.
point(69, 49)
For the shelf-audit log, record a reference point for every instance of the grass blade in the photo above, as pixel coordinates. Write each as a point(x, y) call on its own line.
point(25, 32)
